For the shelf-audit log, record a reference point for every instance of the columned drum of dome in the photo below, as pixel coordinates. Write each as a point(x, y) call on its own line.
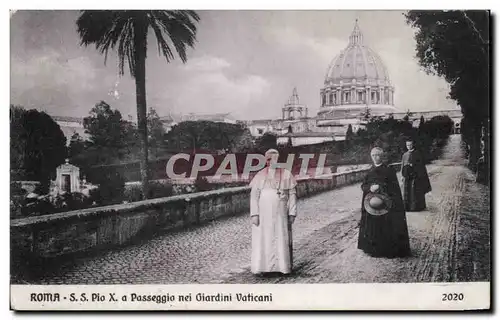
point(356, 79)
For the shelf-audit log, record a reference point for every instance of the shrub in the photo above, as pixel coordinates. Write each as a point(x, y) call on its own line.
point(111, 186)
point(38, 207)
point(133, 193)
point(52, 204)
point(156, 190)
point(160, 190)
point(72, 201)
point(16, 189)
point(17, 194)
point(201, 184)
point(42, 188)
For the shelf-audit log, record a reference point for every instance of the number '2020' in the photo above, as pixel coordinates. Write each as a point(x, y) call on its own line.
point(453, 296)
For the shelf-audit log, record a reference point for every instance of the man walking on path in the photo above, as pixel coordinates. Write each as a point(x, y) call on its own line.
point(415, 179)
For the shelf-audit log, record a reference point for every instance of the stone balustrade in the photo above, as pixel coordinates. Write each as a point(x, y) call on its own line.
point(110, 226)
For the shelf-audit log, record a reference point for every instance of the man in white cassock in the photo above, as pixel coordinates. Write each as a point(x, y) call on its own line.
point(272, 210)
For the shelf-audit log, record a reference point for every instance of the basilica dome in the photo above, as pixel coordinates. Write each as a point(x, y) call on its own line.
point(357, 62)
point(355, 80)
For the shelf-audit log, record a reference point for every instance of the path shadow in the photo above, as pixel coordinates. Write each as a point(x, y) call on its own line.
point(300, 270)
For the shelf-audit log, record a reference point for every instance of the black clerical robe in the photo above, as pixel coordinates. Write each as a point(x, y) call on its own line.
point(385, 235)
point(415, 181)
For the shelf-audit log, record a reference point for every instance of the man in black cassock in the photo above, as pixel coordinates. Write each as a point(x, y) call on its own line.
point(415, 179)
point(383, 234)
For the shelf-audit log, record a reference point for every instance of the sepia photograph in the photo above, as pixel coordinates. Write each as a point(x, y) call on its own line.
point(250, 159)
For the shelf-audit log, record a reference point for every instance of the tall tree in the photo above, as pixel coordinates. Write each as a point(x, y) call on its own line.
point(105, 126)
point(367, 114)
point(127, 31)
point(38, 144)
point(421, 123)
point(267, 141)
point(408, 115)
point(156, 131)
point(188, 136)
point(206, 135)
point(111, 138)
point(17, 140)
point(76, 145)
point(455, 45)
point(244, 142)
point(349, 134)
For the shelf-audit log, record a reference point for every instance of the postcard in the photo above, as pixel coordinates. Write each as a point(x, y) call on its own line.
point(250, 160)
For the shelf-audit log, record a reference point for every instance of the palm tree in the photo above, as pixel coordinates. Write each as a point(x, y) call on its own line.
point(127, 31)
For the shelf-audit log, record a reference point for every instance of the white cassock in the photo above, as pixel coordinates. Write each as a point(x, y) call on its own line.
point(273, 198)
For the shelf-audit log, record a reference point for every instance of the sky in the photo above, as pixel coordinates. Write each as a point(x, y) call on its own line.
point(245, 63)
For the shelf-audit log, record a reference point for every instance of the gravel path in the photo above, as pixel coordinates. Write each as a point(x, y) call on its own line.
point(450, 241)
point(205, 254)
point(444, 242)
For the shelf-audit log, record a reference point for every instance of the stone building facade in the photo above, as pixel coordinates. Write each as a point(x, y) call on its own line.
point(356, 82)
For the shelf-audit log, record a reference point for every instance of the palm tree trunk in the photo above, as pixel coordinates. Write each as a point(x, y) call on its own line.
point(140, 89)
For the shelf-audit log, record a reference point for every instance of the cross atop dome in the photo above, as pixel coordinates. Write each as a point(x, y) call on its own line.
point(356, 37)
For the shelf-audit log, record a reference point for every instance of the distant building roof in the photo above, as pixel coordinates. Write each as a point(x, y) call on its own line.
point(67, 119)
point(260, 121)
point(208, 117)
point(216, 117)
point(171, 117)
point(308, 134)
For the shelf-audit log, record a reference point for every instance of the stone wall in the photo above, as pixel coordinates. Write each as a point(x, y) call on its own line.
point(98, 228)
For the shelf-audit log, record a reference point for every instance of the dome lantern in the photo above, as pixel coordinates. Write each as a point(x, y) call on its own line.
point(356, 35)
point(293, 109)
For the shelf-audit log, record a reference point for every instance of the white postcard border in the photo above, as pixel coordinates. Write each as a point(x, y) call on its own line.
point(340, 297)
point(478, 291)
